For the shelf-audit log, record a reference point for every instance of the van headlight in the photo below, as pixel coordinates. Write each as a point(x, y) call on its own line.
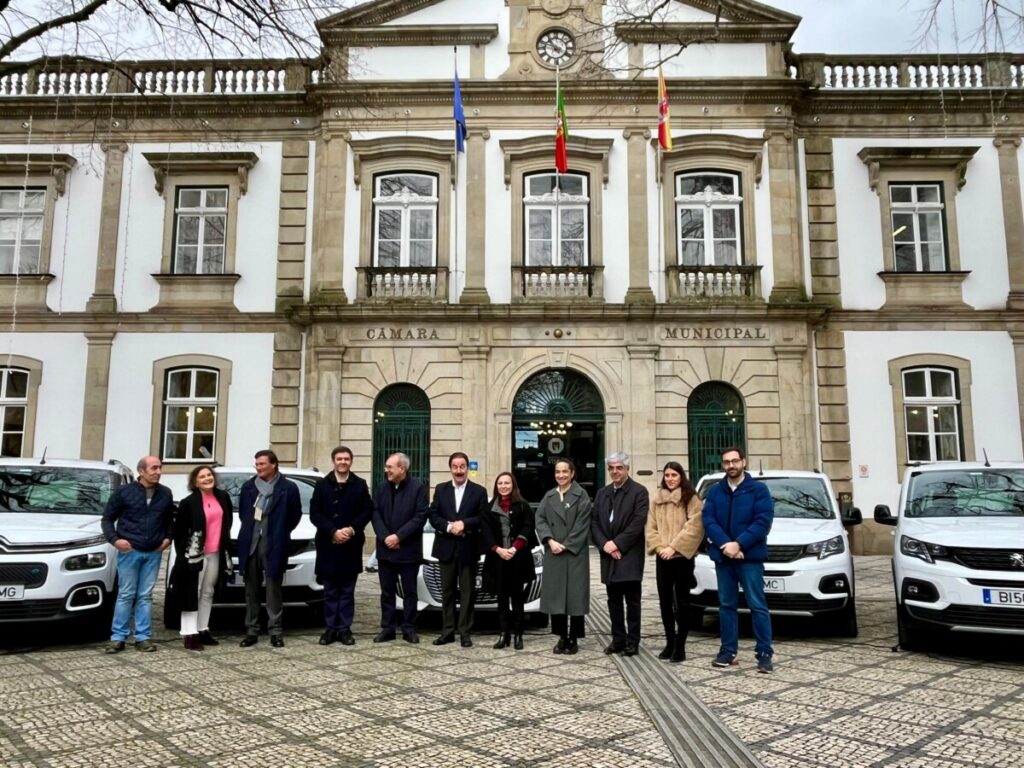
point(823, 549)
point(85, 562)
point(923, 550)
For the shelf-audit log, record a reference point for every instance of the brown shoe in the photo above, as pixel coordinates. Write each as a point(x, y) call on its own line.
point(193, 643)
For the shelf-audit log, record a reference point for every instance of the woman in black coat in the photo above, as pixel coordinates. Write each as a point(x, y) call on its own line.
point(508, 538)
point(202, 532)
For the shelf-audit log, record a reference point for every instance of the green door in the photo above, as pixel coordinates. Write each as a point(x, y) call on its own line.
point(401, 424)
point(715, 422)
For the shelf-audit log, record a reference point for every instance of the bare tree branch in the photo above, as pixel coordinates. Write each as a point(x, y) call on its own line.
point(56, 22)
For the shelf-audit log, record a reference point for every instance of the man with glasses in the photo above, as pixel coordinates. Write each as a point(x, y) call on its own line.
point(738, 513)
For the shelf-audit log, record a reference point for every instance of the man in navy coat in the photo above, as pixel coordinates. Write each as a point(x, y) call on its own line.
point(340, 509)
point(738, 513)
point(269, 508)
point(399, 514)
point(455, 513)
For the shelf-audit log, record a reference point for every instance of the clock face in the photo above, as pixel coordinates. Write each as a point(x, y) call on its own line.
point(556, 47)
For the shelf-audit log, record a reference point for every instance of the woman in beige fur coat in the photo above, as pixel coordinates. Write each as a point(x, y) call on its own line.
point(674, 531)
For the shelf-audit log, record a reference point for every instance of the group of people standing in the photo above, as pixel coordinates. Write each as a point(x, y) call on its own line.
point(623, 523)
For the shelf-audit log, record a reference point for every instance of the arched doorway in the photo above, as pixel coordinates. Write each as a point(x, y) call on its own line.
point(557, 413)
point(401, 424)
point(715, 420)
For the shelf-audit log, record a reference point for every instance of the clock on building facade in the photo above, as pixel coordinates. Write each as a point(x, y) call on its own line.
point(556, 47)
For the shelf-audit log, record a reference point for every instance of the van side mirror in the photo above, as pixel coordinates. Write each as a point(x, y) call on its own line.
point(883, 515)
point(852, 516)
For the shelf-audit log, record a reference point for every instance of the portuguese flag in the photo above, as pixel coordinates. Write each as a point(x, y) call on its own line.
point(561, 130)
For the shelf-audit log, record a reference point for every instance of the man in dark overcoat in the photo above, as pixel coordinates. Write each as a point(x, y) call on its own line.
point(269, 508)
point(617, 526)
point(455, 513)
point(399, 514)
point(340, 509)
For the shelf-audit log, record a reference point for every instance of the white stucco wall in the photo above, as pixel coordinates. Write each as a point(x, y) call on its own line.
point(61, 388)
point(130, 400)
point(979, 215)
point(872, 443)
point(142, 227)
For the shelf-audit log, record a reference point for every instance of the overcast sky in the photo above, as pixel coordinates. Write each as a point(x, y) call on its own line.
point(889, 26)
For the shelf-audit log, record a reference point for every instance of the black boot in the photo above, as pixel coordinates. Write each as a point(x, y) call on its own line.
point(679, 652)
point(670, 645)
point(503, 641)
point(561, 645)
point(571, 646)
point(517, 641)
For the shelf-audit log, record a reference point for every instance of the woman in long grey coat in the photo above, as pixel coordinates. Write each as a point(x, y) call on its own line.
point(563, 527)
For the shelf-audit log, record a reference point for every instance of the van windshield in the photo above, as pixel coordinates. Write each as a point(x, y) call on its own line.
point(972, 492)
point(61, 490)
point(232, 482)
point(799, 497)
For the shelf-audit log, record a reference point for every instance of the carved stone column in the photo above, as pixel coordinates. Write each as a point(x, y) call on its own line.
point(97, 386)
point(1013, 217)
point(639, 291)
point(642, 447)
point(794, 406)
point(329, 220)
point(475, 289)
point(785, 201)
point(474, 408)
point(1017, 337)
point(102, 299)
point(322, 411)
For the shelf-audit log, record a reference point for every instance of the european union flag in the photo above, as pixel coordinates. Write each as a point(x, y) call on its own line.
point(460, 119)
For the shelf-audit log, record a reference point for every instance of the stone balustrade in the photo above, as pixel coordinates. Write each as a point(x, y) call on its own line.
point(416, 283)
point(557, 283)
point(730, 282)
point(915, 71)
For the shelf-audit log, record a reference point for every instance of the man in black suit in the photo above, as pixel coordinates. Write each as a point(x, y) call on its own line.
point(617, 527)
point(399, 513)
point(458, 507)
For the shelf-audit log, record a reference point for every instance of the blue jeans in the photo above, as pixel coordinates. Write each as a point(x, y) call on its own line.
point(136, 577)
point(732, 573)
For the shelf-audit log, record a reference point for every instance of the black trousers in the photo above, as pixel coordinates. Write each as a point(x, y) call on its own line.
point(389, 574)
point(674, 579)
point(339, 602)
point(511, 599)
point(458, 582)
point(567, 626)
point(624, 611)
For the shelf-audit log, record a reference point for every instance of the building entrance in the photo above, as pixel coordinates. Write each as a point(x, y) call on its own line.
point(715, 421)
point(557, 414)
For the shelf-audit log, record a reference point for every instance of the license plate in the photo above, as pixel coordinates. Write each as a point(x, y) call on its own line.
point(774, 584)
point(1013, 598)
point(17, 591)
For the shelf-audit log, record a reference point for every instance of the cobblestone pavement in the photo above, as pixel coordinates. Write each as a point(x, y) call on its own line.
point(830, 702)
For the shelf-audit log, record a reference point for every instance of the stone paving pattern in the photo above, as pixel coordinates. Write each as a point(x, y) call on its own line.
point(831, 702)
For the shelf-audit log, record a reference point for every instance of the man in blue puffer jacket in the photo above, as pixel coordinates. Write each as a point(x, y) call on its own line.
point(738, 512)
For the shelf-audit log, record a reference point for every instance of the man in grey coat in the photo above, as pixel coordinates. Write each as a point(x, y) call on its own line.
point(617, 526)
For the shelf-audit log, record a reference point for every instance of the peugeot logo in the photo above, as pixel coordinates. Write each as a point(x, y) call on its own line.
point(1017, 559)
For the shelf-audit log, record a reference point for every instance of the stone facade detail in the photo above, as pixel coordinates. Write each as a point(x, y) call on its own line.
point(291, 252)
point(821, 216)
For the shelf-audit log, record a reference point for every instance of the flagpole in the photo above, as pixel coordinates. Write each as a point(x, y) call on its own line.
point(455, 206)
point(556, 225)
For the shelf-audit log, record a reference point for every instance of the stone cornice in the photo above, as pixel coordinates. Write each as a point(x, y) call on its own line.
point(576, 146)
point(364, 150)
point(412, 34)
point(52, 164)
point(723, 145)
point(878, 158)
point(366, 14)
point(703, 32)
point(168, 163)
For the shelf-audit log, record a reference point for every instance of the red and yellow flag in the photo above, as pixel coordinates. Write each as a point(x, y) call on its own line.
point(561, 131)
point(664, 123)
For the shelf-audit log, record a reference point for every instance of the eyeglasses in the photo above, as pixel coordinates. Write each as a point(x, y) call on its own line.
point(728, 462)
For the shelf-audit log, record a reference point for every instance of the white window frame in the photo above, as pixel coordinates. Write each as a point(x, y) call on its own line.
point(931, 404)
point(203, 212)
point(917, 209)
point(193, 404)
point(7, 403)
point(20, 214)
point(405, 202)
point(556, 203)
point(708, 202)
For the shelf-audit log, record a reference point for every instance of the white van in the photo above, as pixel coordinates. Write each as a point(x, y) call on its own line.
point(958, 559)
point(809, 571)
point(300, 587)
point(55, 563)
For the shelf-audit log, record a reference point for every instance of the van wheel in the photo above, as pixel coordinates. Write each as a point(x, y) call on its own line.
point(847, 624)
point(910, 636)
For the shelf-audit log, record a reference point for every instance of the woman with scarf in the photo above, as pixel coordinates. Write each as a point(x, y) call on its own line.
point(674, 531)
point(202, 530)
point(563, 526)
point(507, 536)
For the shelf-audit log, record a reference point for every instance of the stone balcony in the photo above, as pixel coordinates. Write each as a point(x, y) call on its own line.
point(428, 284)
point(725, 283)
point(557, 284)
